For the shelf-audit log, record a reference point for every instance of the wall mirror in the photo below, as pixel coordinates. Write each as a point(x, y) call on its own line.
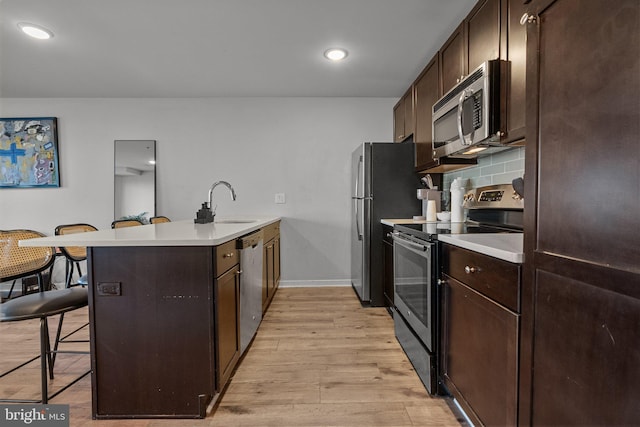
point(135, 179)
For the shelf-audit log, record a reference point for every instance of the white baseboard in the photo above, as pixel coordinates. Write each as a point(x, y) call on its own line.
point(313, 283)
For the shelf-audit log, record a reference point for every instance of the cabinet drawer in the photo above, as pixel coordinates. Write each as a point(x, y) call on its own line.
point(495, 278)
point(226, 257)
point(271, 231)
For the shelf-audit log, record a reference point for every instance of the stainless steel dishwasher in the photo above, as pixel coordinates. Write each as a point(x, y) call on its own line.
point(250, 286)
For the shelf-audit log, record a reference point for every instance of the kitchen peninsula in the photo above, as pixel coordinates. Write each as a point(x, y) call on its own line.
point(164, 304)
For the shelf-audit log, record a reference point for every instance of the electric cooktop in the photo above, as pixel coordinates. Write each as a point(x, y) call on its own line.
point(491, 209)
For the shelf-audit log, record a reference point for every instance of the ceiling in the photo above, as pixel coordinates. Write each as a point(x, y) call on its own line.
point(207, 48)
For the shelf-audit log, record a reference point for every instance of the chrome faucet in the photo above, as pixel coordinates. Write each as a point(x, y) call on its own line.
point(215, 184)
point(206, 215)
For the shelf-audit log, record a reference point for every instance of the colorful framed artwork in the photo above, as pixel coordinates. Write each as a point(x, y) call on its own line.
point(29, 152)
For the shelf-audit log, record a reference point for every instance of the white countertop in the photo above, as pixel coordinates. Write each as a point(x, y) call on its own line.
point(505, 246)
point(176, 233)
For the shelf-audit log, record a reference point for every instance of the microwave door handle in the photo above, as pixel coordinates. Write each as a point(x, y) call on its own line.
point(463, 97)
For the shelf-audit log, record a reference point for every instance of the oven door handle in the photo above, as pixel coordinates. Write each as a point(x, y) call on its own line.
point(397, 237)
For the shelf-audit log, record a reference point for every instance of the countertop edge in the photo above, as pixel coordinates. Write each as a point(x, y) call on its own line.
point(484, 248)
point(392, 222)
point(147, 235)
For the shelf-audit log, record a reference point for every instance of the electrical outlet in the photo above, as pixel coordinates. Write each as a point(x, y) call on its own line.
point(280, 199)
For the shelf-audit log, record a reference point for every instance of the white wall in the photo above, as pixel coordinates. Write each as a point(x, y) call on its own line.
point(262, 146)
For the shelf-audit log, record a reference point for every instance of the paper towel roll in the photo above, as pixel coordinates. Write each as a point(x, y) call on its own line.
point(431, 211)
point(457, 211)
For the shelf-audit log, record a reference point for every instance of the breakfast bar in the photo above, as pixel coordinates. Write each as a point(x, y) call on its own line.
point(164, 302)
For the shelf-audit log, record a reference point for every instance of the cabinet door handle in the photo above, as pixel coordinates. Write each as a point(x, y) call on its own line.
point(528, 19)
point(228, 255)
point(470, 270)
point(239, 272)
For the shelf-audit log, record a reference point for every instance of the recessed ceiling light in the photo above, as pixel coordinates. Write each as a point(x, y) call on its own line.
point(35, 31)
point(335, 54)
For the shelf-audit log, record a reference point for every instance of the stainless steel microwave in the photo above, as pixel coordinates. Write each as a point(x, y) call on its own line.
point(467, 120)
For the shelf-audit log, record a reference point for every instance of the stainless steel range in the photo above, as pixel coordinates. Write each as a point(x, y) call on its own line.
point(492, 209)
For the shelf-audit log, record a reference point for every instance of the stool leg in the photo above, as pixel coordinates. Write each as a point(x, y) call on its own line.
point(55, 344)
point(44, 342)
point(79, 269)
point(69, 271)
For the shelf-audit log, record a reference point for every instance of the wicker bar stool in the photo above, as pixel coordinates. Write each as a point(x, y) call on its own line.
point(121, 223)
point(41, 306)
point(15, 261)
point(158, 219)
point(73, 254)
point(19, 262)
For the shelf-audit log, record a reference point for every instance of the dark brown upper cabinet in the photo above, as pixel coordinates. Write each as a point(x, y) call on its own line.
point(516, 54)
point(426, 93)
point(493, 31)
point(477, 39)
point(483, 33)
point(453, 60)
point(403, 117)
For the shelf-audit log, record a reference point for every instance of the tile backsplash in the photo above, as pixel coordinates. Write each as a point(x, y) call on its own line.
point(498, 168)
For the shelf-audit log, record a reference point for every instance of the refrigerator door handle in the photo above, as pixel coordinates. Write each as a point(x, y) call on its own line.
point(356, 201)
point(356, 190)
point(358, 198)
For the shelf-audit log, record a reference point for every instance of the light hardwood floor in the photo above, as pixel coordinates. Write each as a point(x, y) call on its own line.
point(319, 359)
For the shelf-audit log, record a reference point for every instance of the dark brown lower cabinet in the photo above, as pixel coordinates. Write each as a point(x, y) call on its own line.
point(165, 330)
point(481, 355)
point(227, 295)
point(480, 335)
point(586, 354)
point(271, 266)
point(152, 331)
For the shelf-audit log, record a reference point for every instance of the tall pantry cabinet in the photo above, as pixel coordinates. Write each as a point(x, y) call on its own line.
point(580, 347)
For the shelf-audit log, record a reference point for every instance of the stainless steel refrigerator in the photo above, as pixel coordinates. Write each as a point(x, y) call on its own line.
point(383, 185)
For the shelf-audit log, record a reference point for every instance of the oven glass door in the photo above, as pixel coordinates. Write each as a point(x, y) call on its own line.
point(413, 286)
